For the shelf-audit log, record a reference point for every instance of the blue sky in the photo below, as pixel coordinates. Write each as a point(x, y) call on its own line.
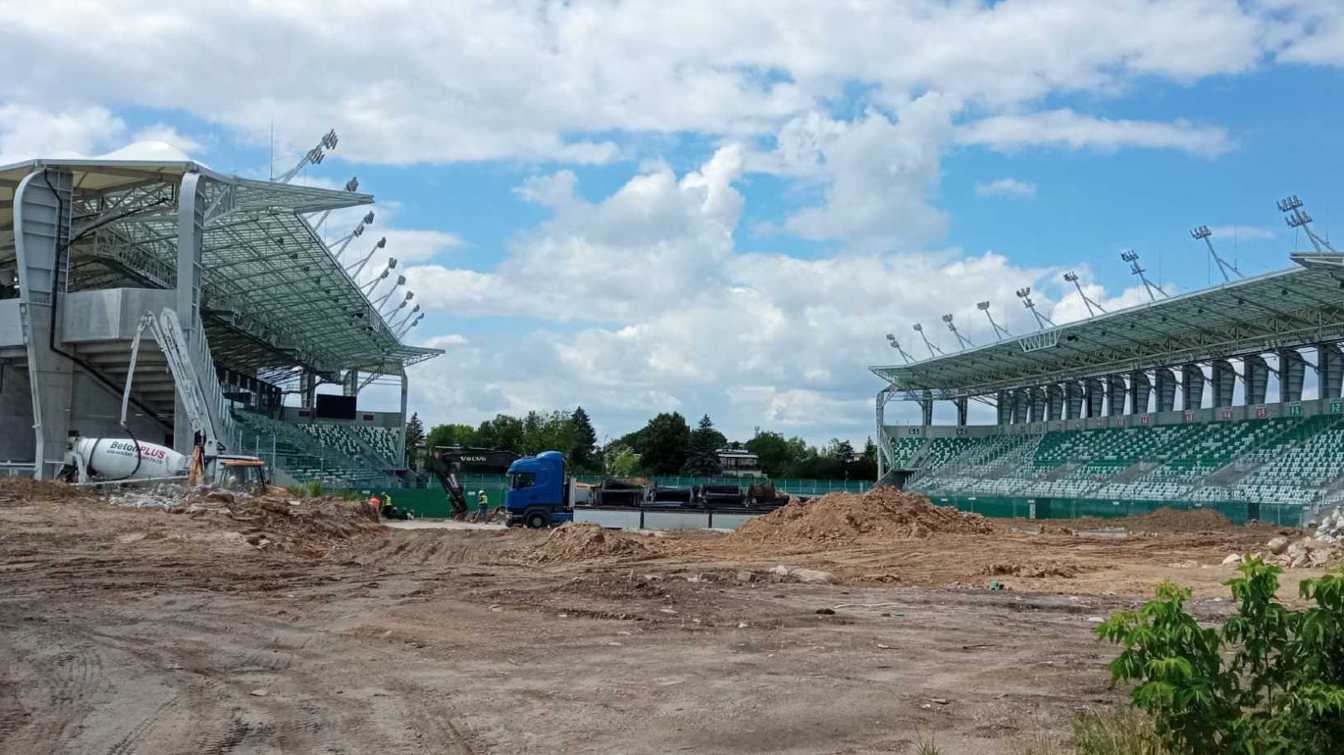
point(713, 207)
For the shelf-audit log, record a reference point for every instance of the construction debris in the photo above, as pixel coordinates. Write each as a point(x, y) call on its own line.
point(1331, 528)
point(19, 489)
point(879, 514)
point(583, 541)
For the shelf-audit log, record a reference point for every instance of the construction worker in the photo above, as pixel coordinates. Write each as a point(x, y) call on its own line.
point(387, 505)
point(376, 505)
point(482, 506)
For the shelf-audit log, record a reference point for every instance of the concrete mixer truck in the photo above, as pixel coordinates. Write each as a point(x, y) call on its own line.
point(101, 460)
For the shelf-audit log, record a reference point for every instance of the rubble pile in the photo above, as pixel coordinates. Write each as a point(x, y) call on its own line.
point(1036, 570)
point(1331, 528)
point(20, 489)
point(309, 527)
point(582, 542)
point(880, 514)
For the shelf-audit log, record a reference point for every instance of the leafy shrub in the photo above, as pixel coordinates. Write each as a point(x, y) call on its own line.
point(313, 489)
point(1271, 680)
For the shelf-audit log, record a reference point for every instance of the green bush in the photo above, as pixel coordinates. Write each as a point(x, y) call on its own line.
point(1270, 680)
point(313, 489)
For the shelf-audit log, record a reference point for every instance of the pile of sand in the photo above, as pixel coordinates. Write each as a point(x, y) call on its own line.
point(310, 527)
point(20, 489)
point(1163, 520)
point(880, 514)
point(1036, 570)
point(582, 542)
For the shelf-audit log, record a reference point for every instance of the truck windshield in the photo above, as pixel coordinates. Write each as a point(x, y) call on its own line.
point(520, 480)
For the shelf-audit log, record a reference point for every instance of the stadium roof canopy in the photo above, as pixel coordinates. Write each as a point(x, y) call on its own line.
point(274, 296)
point(1294, 307)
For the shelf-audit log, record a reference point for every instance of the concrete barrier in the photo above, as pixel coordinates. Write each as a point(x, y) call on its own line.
point(626, 520)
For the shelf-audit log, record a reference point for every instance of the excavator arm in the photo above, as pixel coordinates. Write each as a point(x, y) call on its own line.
point(448, 463)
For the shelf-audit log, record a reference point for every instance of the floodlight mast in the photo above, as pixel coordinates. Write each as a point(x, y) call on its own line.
point(1132, 257)
point(401, 281)
point(1041, 320)
point(351, 186)
point(312, 157)
point(1203, 232)
point(405, 319)
point(406, 327)
point(927, 343)
point(1000, 332)
point(345, 240)
point(963, 340)
point(891, 341)
point(1072, 277)
point(1298, 218)
point(373, 284)
point(358, 267)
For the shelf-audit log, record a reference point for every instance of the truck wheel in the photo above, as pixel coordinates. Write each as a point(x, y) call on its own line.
point(536, 520)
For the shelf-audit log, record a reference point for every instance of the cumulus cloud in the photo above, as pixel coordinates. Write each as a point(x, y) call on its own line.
point(1066, 128)
point(1006, 187)
point(459, 81)
point(663, 313)
point(27, 132)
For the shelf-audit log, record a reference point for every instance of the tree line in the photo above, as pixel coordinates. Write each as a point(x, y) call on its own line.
point(666, 445)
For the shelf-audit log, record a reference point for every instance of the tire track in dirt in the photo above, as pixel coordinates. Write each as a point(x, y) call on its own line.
point(128, 743)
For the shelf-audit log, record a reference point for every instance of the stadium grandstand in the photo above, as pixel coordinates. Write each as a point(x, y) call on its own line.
point(270, 312)
point(1228, 397)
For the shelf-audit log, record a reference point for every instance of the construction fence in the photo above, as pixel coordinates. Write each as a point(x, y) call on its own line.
point(432, 503)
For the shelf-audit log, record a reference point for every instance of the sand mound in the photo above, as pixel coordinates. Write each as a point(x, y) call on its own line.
point(879, 514)
point(311, 527)
point(1035, 569)
point(18, 489)
point(1162, 520)
point(581, 542)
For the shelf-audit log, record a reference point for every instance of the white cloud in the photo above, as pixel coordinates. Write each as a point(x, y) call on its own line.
point(664, 314)
point(477, 80)
point(1242, 231)
point(27, 132)
point(1006, 187)
point(166, 134)
point(1066, 128)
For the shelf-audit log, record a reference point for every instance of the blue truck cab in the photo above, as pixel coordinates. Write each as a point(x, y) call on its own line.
point(540, 493)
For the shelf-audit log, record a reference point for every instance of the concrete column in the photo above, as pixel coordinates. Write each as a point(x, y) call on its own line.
point(187, 302)
point(307, 389)
point(350, 384)
point(1115, 395)
point(1003, 406)
point(1329, 369)
point(1094, 396)
point(1054, 402)
point(1256, 377)
point(1139, 389)
point(1166, 389)
point(41, 230)
point(1020, 403)
point(963, 411)
point(1224, 382)
point(1036, 405)
point(1192, 386)
point(1073, 400)
point(925, 405)
point(401, 445)
point(1292, 370)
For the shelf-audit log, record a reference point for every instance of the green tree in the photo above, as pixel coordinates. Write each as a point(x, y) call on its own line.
point(503, 432)
point(702, 459)
point(621, 461)
point(665, 444)
point(583, 448)
point(777, 455)
point(549, 431)
point(415, 435)
point(451, 435)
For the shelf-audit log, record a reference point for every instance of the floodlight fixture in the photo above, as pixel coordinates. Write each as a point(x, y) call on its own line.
point(999, 331)
point(1132, 257)
point(1072, 277)
point(934, 351)
point(1289, 203)
point(893, 343)
point(1041, 320)
point(344, 241)
point(962, 340)
point(1203, 233)
point(358, 267)
point(313, 156)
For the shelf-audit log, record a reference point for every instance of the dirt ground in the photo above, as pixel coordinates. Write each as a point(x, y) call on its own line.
point(217, 630)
